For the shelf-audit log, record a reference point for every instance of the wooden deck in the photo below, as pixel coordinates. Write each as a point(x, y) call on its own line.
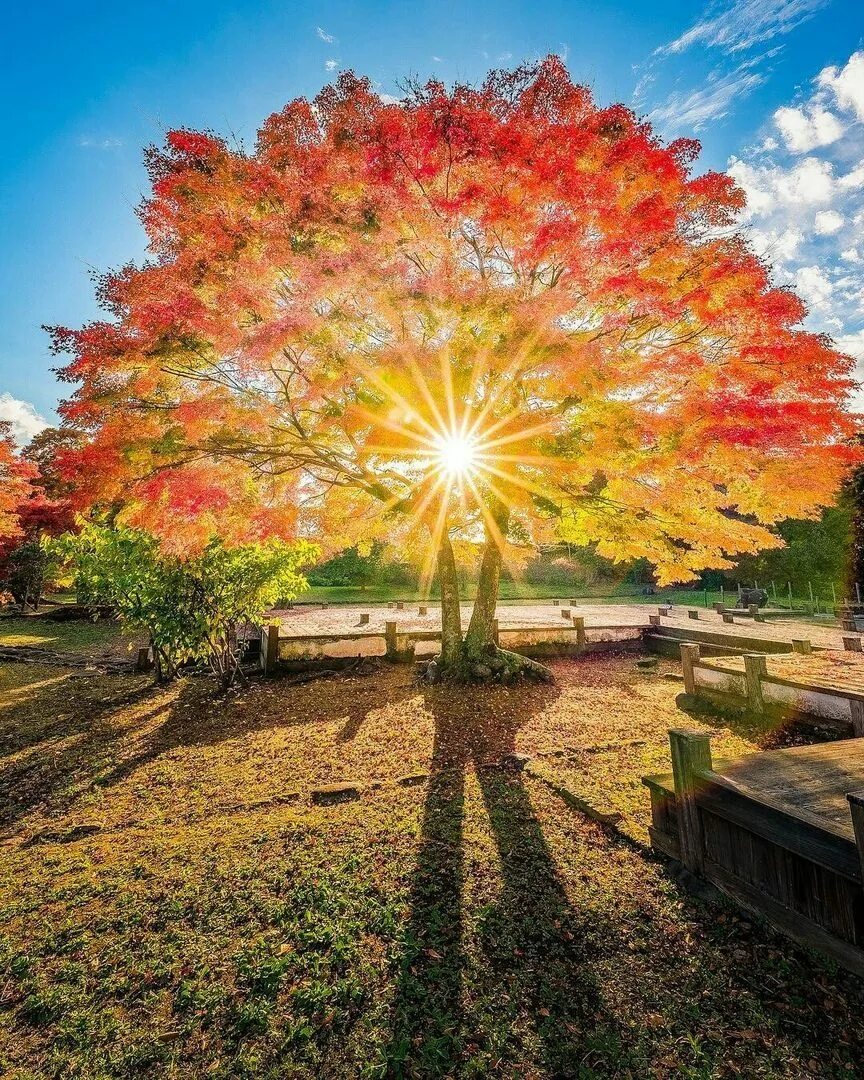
point(807, 782)
point(780, 832)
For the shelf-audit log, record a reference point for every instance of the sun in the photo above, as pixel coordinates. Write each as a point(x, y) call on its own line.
point(456, 456)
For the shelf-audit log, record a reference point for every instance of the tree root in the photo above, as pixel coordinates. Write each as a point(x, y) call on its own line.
point(487, 665)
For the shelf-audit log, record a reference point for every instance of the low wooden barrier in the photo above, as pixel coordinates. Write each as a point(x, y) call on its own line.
point(770, 831)
point(402, 644)
point(769, 693)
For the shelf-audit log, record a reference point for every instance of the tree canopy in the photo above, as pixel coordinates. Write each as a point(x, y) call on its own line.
point(495, 312)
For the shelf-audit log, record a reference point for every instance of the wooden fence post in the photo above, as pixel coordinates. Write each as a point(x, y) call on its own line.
point(754, 668)
point(693, 613)
point(390, 639)
point(144, 661)
point(727, 617)
point(653, 620)
point(364, 619)
point(579, 623)
point(270, 648)
point(852, 644)
point(856, 808)
point(857, 708)
point(801, 645)
point(689, 658)
point(565, 612)
point(422, 610)
point(691, 755)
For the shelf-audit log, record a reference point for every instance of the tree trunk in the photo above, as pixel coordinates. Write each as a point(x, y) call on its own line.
point(481, 629)
point(451, 616)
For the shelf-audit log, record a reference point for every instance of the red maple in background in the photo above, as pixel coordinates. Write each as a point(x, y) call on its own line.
point(15, 486)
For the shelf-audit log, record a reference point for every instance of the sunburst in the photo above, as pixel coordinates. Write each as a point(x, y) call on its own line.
point(456, 455)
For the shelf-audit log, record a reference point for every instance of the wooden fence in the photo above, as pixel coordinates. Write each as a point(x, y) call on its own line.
point(770, 693)
point(403, 644)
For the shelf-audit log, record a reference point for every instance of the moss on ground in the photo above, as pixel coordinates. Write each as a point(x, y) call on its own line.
point(464, 925)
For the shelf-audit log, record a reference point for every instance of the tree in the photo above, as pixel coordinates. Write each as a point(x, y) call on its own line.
point(855, 498)
point(816, 553)
point(15, 486)
point(471, 316)
point(194, 608)
point(43, 510)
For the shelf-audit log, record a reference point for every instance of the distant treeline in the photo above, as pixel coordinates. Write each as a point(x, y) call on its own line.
point(825, 553)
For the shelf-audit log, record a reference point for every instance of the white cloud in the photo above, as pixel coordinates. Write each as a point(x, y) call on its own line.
point(805, 128)
point(853, 179)
point(805, 214)
point(828, 222)
point(331, 65)
point(846, 83)
point(814, 285)
point(780, 244)
point(91, 143)
point(712, 102)
point(324, 35)
point(389, 99)
point(853, 344)
point(771, 187)
point(25, 421)
point(743, 24)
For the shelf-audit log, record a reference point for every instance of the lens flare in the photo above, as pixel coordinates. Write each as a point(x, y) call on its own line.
point(456, 456)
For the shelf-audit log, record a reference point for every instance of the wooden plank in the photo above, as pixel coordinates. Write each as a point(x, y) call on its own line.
point(805, 834)
point(795, 925)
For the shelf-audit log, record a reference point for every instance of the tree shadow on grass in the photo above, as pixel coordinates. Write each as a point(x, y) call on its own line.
point(65, 738)
point(533, 949)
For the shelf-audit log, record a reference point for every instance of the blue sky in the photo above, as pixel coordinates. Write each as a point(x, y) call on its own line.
point(773, 88)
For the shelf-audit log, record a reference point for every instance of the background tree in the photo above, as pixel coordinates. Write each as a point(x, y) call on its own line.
point(15, 486)
point(474, 315)
point(856, 545)
point(26, 566)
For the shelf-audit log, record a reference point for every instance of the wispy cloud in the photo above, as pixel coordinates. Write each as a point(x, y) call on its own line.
point(331, 65)
point(743, 24)
point(694, 108)
point(25, 421)
point(91, 143)
point(322, 33)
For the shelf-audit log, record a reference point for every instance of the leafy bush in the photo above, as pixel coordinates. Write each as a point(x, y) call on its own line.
point(194, 609)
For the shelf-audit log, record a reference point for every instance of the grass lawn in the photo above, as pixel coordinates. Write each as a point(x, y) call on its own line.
point(516, 590)
point(90, 638)
point(175, 905)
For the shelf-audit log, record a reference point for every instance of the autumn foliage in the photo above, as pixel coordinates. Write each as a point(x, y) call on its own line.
point(510, 261)
point(15, 487)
